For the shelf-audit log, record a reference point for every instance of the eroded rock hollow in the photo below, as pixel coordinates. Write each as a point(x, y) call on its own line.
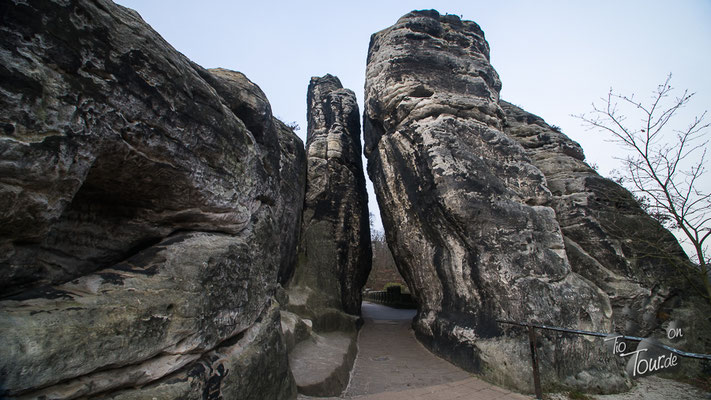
point(149, 207)
point(492, 215)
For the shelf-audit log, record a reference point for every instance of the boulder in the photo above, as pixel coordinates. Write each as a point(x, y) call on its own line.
point(467, 214)
point(295, 329)
point(149, 207)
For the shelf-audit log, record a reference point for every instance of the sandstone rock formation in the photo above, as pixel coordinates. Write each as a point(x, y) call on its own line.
point(148, 209)
point(287, 162)
point(607, 235)
point(613, 243)
point(467, 213)
point(335, 252)
point(493, 214)
point(153, 243)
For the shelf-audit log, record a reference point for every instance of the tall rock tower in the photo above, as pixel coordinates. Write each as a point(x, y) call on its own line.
point(465, 210)
point(334, 257)
point(492, 214)
point(335, 254)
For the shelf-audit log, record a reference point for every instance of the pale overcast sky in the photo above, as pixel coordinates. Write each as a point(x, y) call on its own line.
point(554, 57)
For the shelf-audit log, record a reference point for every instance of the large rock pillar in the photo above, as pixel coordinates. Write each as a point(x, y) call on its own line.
point(465, 210)
point(335, 254)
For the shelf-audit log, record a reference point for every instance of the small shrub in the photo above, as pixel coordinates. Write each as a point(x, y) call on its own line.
point(389, 285)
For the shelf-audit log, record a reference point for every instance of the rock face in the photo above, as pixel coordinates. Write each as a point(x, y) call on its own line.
point(467, 213)
point(607, 235)
point(613, 243)
point(335, 252)
point(148, 209)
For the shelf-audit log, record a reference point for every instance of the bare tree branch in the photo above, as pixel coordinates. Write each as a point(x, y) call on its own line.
point(664, 170)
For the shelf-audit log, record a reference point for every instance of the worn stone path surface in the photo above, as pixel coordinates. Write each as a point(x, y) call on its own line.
point(393, 365)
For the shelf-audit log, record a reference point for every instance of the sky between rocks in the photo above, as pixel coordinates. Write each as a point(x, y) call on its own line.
point(554, 57)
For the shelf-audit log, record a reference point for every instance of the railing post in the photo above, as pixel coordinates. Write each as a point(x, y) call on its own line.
point(534, 361)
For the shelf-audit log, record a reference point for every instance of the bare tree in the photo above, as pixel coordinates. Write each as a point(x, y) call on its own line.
point(383, 270)
point(665, 166)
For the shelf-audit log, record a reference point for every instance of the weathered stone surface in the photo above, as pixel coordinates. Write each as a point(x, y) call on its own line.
point(82, 117)
point(148, 209)
point(180, 297)
point(322, 364)
point(292, 186)
point(466, 211)
point(613, 243)
point(335, 253)
point(609, 239)
point(239, 369)
point(282, 151)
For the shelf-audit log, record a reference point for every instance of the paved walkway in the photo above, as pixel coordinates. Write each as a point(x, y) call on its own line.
point(393, 365)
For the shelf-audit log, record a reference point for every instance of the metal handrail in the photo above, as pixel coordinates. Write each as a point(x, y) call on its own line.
point(534, 356)
point(601, 334)
point(390, 298)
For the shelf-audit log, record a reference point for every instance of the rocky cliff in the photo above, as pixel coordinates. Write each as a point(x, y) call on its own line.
point(468, 212)
point(142, 214)
point(608, 238)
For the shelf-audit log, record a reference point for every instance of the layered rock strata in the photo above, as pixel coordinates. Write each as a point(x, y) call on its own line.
point(335, 252)
point(466, 211)
point(144, 206)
